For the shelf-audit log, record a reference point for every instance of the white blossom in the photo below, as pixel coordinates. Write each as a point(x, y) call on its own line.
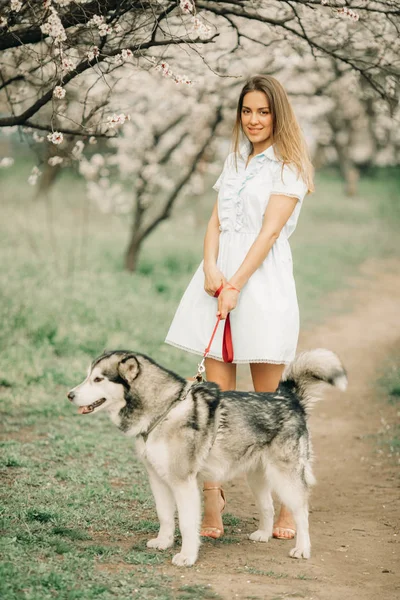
point(62, 3)
point(7, 161)
point(77, 150)
point(117, 59)
point(35, 173)
point(56, 137)
point(88, 170)
point(55, 160)
point(96, 20)
point(3, 22)
point(92, 140)
point(37, 137)
point(15, 5)
point(59, 92)
point(54, 28)
point(97, 160)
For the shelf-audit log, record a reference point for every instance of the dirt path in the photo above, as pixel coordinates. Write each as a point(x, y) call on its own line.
point(354, 510)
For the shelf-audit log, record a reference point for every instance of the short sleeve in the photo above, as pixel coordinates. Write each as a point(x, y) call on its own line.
point(289, 183)
point(218, 183)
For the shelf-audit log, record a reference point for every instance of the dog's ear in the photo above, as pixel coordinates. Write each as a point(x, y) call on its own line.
point(129, 368)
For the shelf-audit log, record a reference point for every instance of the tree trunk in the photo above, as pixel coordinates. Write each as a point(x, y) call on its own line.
point(132, 253)
point(348, 170)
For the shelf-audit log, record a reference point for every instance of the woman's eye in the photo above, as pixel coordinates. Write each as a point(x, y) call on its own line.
point(98, 379)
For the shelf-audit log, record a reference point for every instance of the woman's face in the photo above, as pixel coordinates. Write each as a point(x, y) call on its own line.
point(256, 117)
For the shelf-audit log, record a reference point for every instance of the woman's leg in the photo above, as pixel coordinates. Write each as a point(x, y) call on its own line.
point(225, 375)
point(266, 378)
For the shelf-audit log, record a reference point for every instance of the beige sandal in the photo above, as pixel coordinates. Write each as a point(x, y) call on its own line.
point(214, 532)
point(279, 536)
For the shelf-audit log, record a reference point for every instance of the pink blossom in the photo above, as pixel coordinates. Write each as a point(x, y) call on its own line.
point(56, 137)
point(187, 6)
point(115, 119)
point(93, 53)
point(104, 29)
point(126, 53)
point(59, 92)
point(200, 28)
point(67, 65)
point(347, 13)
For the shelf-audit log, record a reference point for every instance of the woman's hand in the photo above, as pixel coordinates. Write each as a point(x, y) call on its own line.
point(213, 279)
point(227, 301)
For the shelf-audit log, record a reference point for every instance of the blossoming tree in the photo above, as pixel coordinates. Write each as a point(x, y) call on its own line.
point(73, 71)
point(48, 47)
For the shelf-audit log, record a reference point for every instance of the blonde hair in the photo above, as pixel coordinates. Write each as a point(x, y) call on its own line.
point(288, 139)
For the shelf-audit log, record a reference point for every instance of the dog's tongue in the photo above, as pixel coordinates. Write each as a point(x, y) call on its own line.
point(83, 410)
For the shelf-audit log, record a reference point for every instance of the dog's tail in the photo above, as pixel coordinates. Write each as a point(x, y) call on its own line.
point(310, 370)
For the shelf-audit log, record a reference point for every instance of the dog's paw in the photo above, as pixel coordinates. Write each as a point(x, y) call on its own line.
point(300, 552)
point(259, 536)
point(181, 560)
point(160, 543)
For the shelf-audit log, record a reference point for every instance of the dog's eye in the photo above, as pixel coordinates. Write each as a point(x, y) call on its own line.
point(98, 379)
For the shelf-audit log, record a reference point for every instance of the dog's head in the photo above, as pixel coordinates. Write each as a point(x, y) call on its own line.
point(109, 379)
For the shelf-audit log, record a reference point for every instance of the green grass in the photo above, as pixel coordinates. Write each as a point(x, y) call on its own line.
point(76, 506)
point(388, 389)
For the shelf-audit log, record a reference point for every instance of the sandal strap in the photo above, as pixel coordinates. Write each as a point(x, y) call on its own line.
point(221, 491)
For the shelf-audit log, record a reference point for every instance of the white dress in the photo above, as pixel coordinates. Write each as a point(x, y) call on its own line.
point(265, 322)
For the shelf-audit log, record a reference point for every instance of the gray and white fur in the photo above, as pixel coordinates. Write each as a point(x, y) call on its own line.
point(186, 431)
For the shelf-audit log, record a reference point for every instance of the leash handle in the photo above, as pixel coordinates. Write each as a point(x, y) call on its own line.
point(227, 345)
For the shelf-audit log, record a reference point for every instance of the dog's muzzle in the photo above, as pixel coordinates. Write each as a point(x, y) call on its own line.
point(84, 410)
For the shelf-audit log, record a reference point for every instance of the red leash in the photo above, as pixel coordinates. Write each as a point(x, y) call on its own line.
point(227, 346)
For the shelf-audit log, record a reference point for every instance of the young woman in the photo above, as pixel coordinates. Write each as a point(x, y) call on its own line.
point(246, 249)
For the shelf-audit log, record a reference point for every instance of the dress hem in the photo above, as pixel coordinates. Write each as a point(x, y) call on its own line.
point(234, 362)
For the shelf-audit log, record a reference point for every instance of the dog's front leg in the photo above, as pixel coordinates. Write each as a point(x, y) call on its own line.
point(187, 499)
point(165, 506)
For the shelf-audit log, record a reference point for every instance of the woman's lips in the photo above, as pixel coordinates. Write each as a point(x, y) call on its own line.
point(253, 130)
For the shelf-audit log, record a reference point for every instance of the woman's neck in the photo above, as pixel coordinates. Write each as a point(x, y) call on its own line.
point(260, 147)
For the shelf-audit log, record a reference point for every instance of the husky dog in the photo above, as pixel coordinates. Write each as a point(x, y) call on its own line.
point(185, 430)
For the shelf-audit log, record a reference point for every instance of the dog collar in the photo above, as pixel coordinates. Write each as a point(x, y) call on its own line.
point(160, 419)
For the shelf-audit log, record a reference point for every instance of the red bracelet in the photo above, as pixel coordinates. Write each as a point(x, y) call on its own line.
point(233, 287)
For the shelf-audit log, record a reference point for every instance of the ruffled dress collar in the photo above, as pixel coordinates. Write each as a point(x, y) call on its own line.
point(235, 185)
point(267, 153)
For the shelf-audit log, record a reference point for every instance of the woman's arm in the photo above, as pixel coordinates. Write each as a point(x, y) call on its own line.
point(211, 239)
point(213, 276)
point(276, 215)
